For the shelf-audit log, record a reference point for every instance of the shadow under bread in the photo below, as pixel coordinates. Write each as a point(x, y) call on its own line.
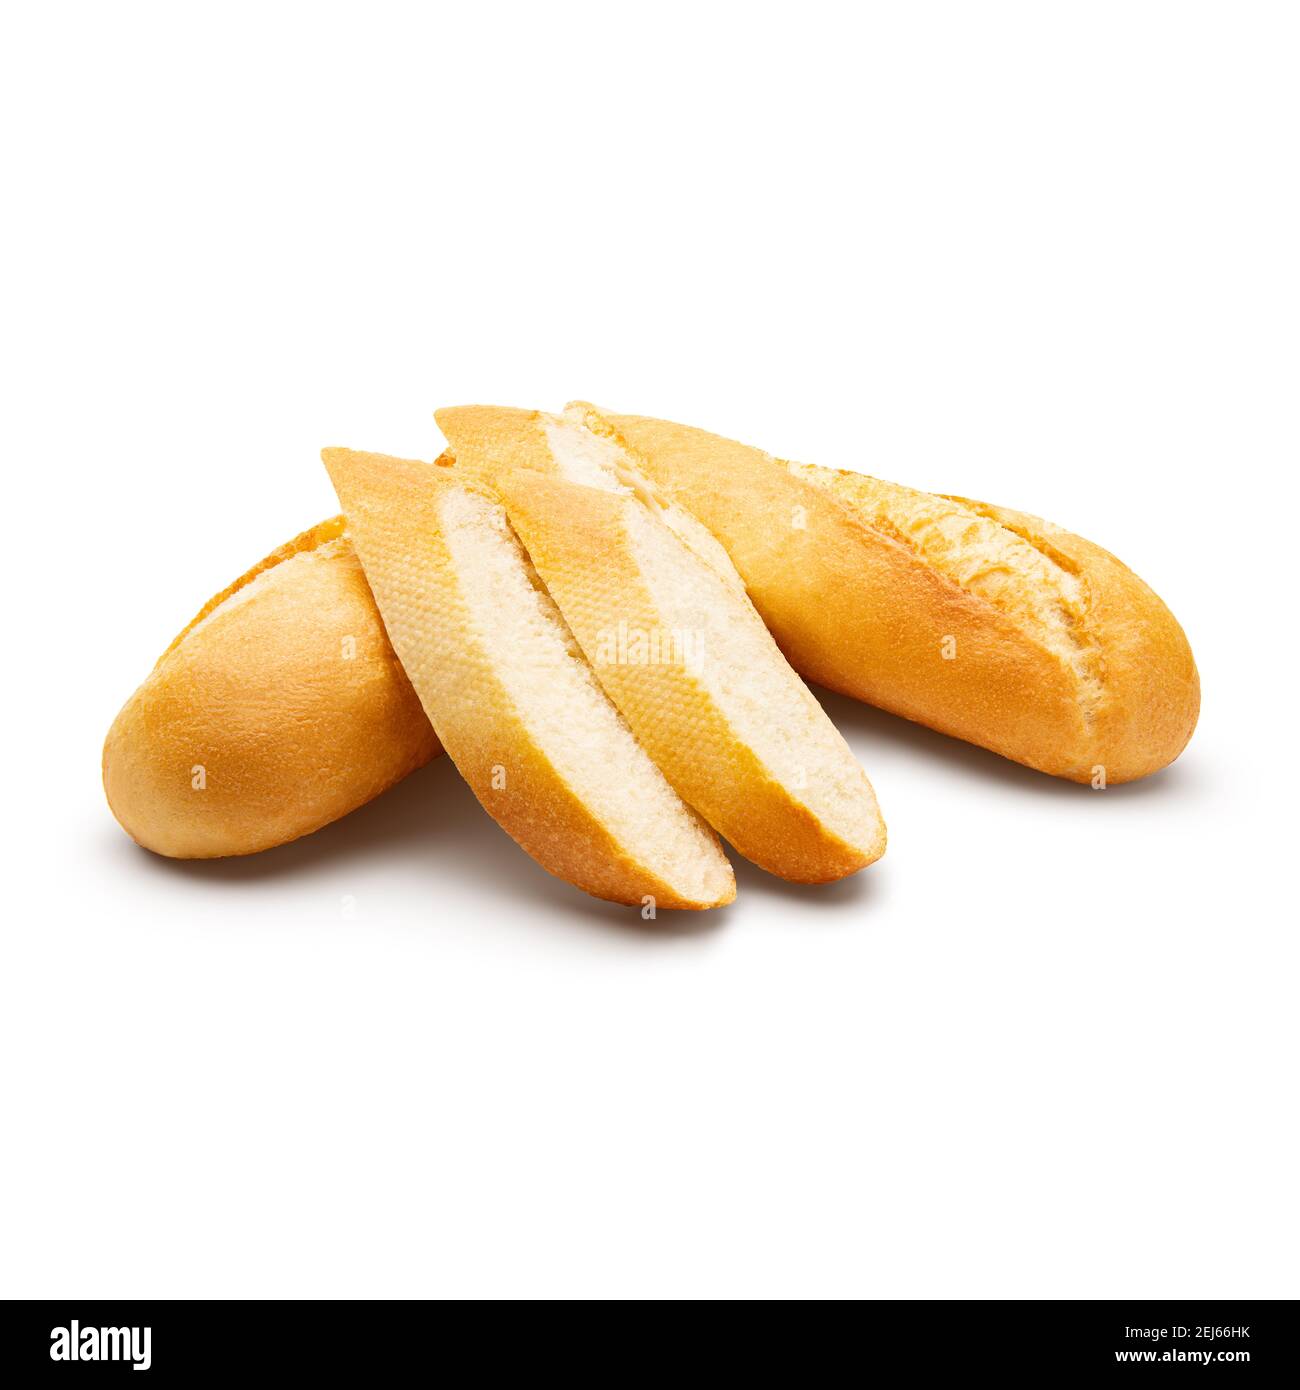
point(855, 719)
point(431, 818)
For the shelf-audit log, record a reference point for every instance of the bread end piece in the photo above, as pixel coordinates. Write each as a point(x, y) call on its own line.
point(860, 608)
point(278, 709)
point(1150, 689)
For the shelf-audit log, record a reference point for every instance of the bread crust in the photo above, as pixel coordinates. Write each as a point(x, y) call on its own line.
point(278, 709)
point(289, 737)
point(856, 609)
point(393, 508)
point(580, 541)
point(1152, 690)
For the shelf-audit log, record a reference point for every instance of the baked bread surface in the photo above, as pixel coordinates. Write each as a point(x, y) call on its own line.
point(279, 708)
point(513, 700)
point(661, 614)
point(700, 680)
point(981, 622)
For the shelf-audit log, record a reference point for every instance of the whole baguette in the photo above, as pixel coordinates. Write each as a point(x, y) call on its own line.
point(278, 709)
point(984, 623)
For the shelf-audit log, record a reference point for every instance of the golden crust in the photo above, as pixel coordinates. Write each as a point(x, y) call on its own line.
point(289, 738)
point(857, 609)
point(393, 508)
point(580, 541)
point(278, 709)
point(490, 439)
point(1151, 689)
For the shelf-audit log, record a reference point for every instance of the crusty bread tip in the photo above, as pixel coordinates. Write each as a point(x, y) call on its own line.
point(279, 708)
point(982, 622)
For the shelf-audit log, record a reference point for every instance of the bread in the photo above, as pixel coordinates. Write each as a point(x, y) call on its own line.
point(511, 697)
point(985, 623)
point(278, 709)
point(678, 648)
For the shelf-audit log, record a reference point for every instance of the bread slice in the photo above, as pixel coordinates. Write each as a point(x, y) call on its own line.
point(511, 697)
point(661, 615)
point(985, 623)
point(278, 709)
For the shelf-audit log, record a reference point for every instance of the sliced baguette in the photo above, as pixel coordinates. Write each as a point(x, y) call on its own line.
point(279, 708)
point(664, 621)
point(512, 699)
point(985, 623)
point(699, 679)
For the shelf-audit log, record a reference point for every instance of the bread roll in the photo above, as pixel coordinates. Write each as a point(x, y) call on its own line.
point(982, 622)
point(664, 621)
point(278, 709)
point(512, 698)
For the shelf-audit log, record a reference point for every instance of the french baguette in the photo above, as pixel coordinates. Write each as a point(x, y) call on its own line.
point(511, 697)
point(664, 621)
point(279, 708)
point(985, 623)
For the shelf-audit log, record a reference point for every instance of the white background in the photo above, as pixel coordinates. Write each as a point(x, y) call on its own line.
point(1043, 254)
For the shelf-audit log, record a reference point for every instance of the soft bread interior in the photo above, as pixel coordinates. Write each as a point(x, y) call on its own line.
point(584, 451)
point(560, 702)
point(1029, 583)
point(767, 706)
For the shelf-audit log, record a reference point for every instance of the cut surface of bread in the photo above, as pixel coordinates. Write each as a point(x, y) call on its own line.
point(488, 442)
point(981, 622)
point(279, 708)
point(513, 700)
point(663, 618)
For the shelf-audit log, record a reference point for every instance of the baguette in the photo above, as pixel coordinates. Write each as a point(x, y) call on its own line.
point(279, 708)
point(664, 621)
point(984, 623)
point(511, 697)
point(981, 622)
